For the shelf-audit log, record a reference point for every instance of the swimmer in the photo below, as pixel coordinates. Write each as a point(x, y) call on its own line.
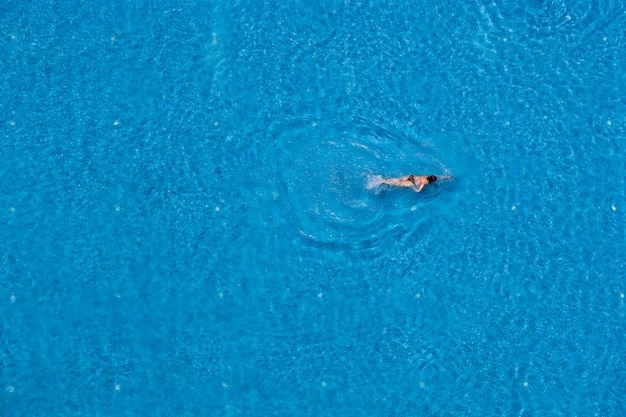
point(415, 182)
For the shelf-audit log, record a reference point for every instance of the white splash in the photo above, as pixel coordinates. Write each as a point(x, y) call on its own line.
point(373, 181)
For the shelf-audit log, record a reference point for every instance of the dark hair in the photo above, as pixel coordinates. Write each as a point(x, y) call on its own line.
point(431, 178)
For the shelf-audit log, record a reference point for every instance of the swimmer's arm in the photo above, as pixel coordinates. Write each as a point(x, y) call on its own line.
point(418, 189)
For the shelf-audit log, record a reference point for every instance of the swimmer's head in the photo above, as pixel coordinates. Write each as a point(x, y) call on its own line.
point(431, 178)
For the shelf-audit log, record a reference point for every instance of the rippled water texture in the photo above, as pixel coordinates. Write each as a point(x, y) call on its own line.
point(189, 221)
point(329, 171)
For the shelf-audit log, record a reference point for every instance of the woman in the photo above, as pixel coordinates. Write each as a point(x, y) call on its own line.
point(415, 182)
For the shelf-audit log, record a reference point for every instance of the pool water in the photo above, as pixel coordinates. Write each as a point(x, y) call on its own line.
point(189, 224)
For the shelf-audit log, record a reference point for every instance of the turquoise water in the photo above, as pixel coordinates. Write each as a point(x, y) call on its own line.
point(187, 227)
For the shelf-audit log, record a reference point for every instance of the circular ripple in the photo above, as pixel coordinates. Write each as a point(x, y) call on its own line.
point(328, 171)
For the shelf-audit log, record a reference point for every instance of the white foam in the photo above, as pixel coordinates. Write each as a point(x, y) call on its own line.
point(373, 181)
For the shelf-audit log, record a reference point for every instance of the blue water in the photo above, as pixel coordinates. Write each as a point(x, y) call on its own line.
point(186, 227)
